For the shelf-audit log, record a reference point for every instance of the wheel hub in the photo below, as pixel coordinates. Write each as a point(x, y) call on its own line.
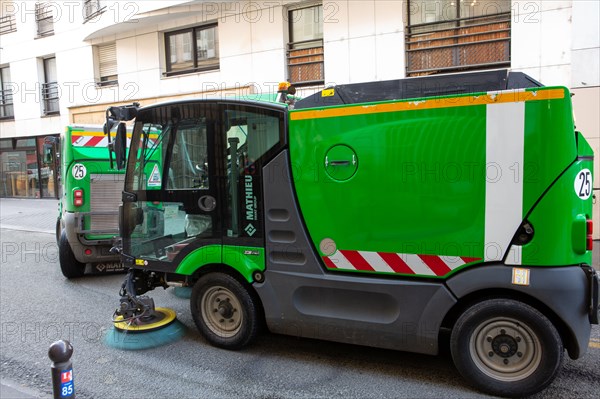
point(505, 346)
point(221, 311)
point(505, 349)
point(225, 309)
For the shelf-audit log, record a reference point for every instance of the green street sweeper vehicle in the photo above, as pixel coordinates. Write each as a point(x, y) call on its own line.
point(399, 214)
point(87, 223)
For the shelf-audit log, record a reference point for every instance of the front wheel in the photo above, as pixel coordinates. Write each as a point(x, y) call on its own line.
point(507, 348)
point(225, 311)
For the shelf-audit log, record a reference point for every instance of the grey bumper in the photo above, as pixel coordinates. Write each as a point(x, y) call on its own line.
point(100, 249)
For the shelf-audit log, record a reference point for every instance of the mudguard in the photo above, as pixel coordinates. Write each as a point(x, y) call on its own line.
point(565, 291)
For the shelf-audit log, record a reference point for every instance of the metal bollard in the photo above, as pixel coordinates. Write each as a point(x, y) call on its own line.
point(62, 369)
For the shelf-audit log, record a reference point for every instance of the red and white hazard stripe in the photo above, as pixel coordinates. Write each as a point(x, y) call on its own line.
point(426, 265)
point(89, 141)
point(92, 141)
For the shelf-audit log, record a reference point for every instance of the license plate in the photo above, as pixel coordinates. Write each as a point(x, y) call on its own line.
point(107, 267)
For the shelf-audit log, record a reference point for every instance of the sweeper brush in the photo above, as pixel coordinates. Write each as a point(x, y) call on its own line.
point(138, 324)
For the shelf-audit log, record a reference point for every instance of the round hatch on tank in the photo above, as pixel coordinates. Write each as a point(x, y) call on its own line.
point(341, 162)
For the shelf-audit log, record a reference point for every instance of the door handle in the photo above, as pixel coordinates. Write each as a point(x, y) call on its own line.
point(340, 162)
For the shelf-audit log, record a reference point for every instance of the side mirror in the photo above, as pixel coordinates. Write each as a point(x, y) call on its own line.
point(110, 123)
point(120, 146)
point(48, 158)
point(118, 115)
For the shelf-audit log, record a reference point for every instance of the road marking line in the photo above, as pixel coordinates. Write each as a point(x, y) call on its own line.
point(594, 344)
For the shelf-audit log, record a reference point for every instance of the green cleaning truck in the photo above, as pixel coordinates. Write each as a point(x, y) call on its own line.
point(87, 224)
point(409, 214)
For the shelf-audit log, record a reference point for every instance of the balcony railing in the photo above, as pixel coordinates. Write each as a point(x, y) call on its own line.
point(306, 62)
point(6, 104)
point(50, 98)
point(7, 24)
point(459, 44)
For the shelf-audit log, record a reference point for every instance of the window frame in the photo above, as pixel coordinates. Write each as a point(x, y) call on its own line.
point(312, 44)
point(48, 89)
point(43, 12)
point(99, 59)
point(194, 43)
point(6, 95)
point(429, 39)
point(457, 19)
point(95, 6)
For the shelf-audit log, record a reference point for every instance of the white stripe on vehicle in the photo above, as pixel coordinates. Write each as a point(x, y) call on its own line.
point(514, 255)
point(452, 261)
point(340, 261)
point(416, 264)
point(376, 261)
point(505, 126)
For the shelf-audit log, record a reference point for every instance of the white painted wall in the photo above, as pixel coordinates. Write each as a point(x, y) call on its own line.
point(363, 40)
point(554, 41)
point(541, 40)
point(585, 49)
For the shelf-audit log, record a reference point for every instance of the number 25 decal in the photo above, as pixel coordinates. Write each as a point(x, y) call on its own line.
point(583, 184)
point(79, 171)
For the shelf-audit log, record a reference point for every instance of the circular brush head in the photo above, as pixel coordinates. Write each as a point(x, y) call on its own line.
point(183, 292)
point(160, 328)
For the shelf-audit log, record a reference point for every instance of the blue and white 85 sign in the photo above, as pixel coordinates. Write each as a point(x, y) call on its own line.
point(78, 171)
point(67, 389)
point(583, 184)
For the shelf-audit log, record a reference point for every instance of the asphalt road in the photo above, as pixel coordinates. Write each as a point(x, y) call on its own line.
point(39, 306)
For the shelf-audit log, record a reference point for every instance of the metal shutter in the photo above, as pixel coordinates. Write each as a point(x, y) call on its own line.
point(107, 60)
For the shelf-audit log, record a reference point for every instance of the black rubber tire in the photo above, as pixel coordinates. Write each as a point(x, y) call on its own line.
point(58, 230)
point(495, 335)
point(243, 310)
point(69, 265)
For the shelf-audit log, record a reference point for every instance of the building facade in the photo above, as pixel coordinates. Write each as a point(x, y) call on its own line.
point(64, 62)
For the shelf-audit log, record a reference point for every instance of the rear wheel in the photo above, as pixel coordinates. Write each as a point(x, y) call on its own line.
point(58, 230)
point(69, 265)
point(225, 311)
point(507, 348)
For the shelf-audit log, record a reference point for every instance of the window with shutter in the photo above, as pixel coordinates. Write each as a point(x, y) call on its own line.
point(107, 65)
point(44, 19)
point(305, 51)
point(450, 36)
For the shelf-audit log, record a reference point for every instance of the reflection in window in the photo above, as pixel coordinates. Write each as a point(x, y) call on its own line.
point(257, 134)
point(189, 161)
point(191, 50)
point(249, 137)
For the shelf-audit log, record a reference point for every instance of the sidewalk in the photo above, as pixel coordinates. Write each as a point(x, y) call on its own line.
point(25, 214)
point(38, 215)
point(13, 390)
